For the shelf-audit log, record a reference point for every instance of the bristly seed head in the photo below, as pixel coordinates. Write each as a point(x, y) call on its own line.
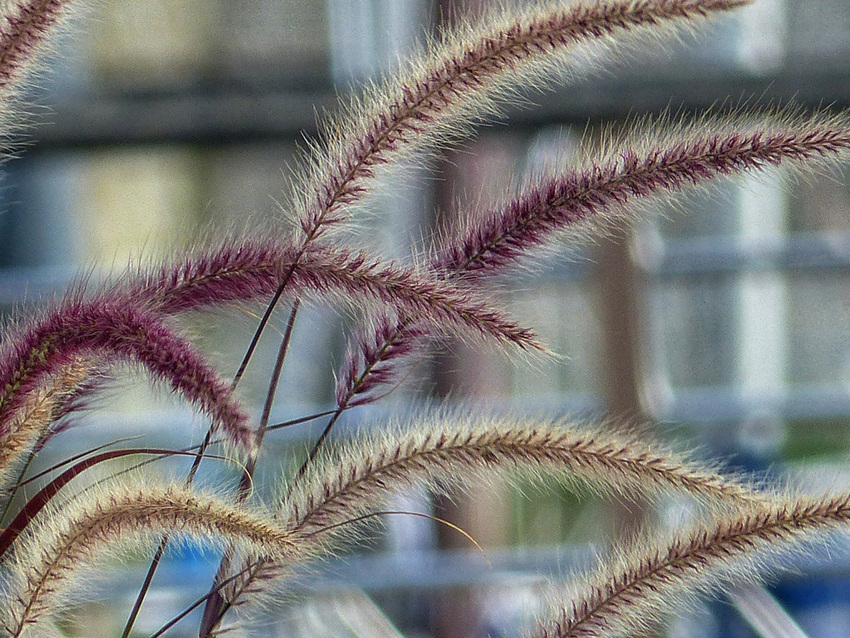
point(594, 199)
point(113, 329)
point(248, 269)
point(455, 82)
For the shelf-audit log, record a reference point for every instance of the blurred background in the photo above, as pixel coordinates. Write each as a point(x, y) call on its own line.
point(726, 328)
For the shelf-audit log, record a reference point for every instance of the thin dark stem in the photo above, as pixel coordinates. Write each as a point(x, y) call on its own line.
point(146, 585)
point(255, 340)
point(200, 601)
point(319, 415)
point(317, 446)
point(18, 483)
point(207, 438)
point(299, 420)
point(77, 457)
point(343, 406)
point(157, 557)
point(217, 607)
point(219, 586)
point(272, 390)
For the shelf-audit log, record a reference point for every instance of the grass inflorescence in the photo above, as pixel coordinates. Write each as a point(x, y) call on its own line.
point(54, 360)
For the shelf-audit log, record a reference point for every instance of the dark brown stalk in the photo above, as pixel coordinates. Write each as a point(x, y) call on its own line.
point(217, 606)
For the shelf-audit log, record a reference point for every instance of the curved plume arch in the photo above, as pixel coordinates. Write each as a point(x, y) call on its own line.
point(45, 360)
point(452, 449)
point(249, 269)
point(657, 160)
point(455, 81)
point(447, 452)
point(635, 587)
point(44, 566)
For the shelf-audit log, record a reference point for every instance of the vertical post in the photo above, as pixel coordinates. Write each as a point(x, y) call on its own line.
point(619, 303)
point(463, 371)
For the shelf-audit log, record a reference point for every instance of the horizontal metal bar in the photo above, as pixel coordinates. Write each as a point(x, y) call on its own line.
point(718, 255)
point(730, 404)
point(210, 118)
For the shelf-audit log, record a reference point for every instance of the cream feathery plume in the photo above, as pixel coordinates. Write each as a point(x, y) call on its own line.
point(455, 81)
point(25, 30)
point(635, 586)
point(44, 566)
point(39, 410)
point(447, 451)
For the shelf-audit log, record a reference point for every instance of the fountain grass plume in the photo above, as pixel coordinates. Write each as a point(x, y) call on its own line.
point(459, 79)
point(371, 357)
point(244, 270)
point(42, 364)
point(52, 361)
point(126, 515)
point(26, 32)
point(451, 450)
point(436, 95)
point(249, 270)
point(448, 452)
point(633, 588)
point(656, 161)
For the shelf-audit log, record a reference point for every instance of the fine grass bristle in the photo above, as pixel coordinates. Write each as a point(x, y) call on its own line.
point(640, 583)
point(448, 453)
point(54, 359)
point(111, 329)
point(457, 81)
point(247, 269)
point(656, 161)
point(43, 570)
point(442, 452)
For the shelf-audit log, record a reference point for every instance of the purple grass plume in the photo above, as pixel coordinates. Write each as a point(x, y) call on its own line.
point(53, 361)
point(26, 29)
point(251, 270)
point(592, 201)
point(113, 330)
point(661, 164)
